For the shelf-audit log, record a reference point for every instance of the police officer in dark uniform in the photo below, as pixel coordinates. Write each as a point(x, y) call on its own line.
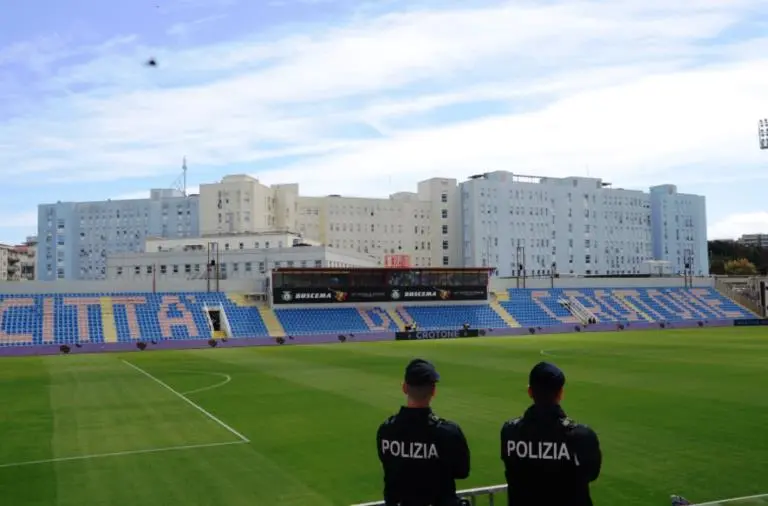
point(421, 453)
point(548, 458)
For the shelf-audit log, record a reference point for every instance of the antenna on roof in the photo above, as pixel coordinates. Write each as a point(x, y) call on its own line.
point(184, 176)
point(181, 182)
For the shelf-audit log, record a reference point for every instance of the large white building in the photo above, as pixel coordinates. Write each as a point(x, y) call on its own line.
point(419, 229)
point(539, 226)
point(229, 242)
point(679, 228)
point(754, 240)
point(75, 238)
point(535, 226)
point(185, 264)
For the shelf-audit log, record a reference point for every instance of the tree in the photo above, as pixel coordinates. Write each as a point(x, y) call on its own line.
point(740, 267)
point(721, 252)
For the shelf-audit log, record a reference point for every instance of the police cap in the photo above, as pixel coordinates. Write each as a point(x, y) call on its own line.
point(420, 372)
point(546, 380)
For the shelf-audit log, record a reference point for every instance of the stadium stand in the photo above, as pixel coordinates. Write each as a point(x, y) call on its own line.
point(125, 317)
point(549, 307)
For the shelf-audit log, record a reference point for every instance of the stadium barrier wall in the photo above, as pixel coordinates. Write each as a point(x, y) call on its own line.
point(186, 344)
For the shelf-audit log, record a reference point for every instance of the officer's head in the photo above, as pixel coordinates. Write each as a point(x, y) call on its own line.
point(545, 383)
point(420, 379)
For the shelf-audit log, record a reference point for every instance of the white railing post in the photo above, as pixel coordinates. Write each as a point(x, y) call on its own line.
point(471, 493)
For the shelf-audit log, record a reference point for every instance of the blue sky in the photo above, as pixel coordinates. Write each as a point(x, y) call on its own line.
point(368, 98)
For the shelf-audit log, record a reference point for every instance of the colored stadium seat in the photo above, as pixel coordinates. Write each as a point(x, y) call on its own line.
point(124, 317)
point(542, 307)
point(119, 317)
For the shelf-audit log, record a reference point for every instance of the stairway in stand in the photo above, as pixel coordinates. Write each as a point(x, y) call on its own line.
point(274, 327)
point(395, 317)
point(108, 320)
point(503, 314)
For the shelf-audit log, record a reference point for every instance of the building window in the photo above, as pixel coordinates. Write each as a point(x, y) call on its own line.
point(445, 245)
point(137, 270)
point(241, 245)
point(445, 261)
point(261, 267)
point(444, 197)
point(445, 229)
point(119, 271)
point(163, 269)
point(318, 263)
point(187, 268)
point(248, 266)
point(175, 269)
point(149, 269)
point(444, 213)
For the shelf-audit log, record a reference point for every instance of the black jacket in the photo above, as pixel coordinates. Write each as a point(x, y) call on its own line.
point(422, 456)
point(549, 459)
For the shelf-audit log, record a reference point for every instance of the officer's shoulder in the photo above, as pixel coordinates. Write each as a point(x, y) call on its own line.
point(512, 422)
point(578, 429)
point(389, 421)
point(444, 423)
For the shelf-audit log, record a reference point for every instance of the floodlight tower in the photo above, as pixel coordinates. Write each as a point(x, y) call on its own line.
point(763, 133)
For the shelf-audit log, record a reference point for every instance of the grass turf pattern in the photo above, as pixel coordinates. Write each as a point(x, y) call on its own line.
point(677, 411)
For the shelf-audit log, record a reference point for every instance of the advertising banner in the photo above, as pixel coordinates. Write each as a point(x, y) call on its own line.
point(418, 335)
point(365, 295)
point(750, 322)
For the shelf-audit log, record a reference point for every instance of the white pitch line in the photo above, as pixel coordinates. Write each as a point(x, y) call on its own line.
point(735, 499)
point(120, 454)
point(227, 379)
point(185, 399)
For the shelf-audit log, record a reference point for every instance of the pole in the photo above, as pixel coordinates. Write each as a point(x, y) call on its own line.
point(154, 278)
point(524, 275)
point(184, 176)
point(218, 266)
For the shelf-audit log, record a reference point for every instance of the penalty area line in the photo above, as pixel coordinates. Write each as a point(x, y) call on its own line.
point(120, 454)
point(734, 500)
point(191, 403)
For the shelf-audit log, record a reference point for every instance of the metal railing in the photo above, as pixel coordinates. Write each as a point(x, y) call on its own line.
point(744, 301)
point(471, 493)
point(491, 492)
point(577, 309)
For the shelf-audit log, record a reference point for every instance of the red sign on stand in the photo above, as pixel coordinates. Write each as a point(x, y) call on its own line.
point(397, 261)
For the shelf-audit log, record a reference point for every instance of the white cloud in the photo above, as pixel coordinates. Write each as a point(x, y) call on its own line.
point(736, 225)
point(621, 87)
point(184, 29)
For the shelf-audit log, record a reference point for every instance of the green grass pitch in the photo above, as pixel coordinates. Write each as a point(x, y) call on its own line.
point(677, 411)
